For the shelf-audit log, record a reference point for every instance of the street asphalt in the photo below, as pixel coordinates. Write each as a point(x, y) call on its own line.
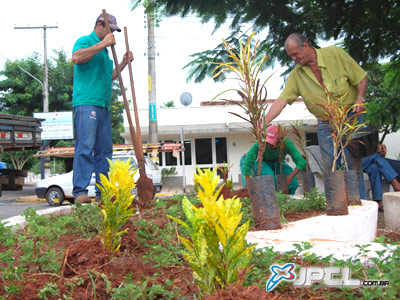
point(14, 203)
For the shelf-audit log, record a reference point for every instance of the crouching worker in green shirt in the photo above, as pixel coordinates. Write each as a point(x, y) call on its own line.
point(270, 164)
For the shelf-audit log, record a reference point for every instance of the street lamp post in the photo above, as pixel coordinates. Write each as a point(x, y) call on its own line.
point(45, 74)
point(44, 162)
point(42, 159)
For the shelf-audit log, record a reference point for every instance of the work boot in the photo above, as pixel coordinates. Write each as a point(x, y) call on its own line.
point(83, 198)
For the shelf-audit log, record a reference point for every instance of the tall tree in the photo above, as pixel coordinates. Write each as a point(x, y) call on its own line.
point(21, 94)
point(117, 109)
point(61, 72)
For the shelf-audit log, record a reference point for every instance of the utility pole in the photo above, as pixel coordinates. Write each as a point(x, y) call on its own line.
point(153, 129)
point(44, 161)
point(45, 74)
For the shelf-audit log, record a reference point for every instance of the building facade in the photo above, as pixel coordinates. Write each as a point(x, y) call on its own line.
point(212, 135)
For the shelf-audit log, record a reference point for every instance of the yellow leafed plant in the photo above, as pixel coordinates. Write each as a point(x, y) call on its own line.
point(217, 250)
point(117, 198)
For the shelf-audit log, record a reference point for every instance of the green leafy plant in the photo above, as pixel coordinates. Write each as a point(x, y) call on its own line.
point(217, 249)
point(144, 290)
point(117, 199)
point(48, 291)
point(383, 266)
point(167, 173)
point(311, 201)
point(37, 241)
point(247, 65)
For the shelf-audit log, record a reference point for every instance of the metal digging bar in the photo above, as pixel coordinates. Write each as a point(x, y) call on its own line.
point(144, 184)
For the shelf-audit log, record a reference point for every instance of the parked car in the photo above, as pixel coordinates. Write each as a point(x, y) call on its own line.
point(59, 187)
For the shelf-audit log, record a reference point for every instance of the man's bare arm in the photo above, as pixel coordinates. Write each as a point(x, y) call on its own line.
point(122, 64)
point(275, 110)
point(362, 90)
point(83, 55)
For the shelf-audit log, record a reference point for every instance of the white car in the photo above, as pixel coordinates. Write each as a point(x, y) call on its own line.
point(59, 187)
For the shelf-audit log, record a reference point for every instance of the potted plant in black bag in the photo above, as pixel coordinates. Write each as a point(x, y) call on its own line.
point(246, 64)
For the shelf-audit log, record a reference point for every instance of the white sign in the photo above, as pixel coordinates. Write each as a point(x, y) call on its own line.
point(56, 126)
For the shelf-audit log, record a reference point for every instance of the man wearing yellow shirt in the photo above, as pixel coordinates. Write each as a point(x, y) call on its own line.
point(316, 70)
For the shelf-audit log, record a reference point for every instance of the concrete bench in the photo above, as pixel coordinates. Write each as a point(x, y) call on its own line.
point(391, 206)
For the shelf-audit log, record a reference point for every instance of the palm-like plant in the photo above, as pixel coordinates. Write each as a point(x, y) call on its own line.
point(343, 127)
point(300, 142)
point(224, 168)
point(247, 66)
point(280, 145)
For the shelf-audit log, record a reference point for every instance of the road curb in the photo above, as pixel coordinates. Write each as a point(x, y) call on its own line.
point(35, 199)
point(31, 199)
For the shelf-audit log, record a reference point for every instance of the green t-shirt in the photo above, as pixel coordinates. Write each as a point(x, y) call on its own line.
point(92, 80)
point(341, 74)
point(272, 154)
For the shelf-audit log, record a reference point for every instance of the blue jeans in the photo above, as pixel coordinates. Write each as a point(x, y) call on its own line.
point(377, 166)
point(395, 164)
point(93, 145)
point(326, 147)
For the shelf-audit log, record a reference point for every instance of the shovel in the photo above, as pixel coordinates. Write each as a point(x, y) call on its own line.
point(144, 184)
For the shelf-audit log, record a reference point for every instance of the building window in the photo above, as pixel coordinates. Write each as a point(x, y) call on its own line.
point(188, 153)
point(203, 149)
point(221, 150)
point(170, 160)
point(211, 151)
point(160, 157)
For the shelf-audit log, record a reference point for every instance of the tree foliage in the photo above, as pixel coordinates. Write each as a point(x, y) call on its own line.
point(20, 94)
point(23, 95)
point(168, 104)
point(116, 109)
point(383, 106)
point(370, 30)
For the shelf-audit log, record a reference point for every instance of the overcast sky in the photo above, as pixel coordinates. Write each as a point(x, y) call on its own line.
point(176, 39)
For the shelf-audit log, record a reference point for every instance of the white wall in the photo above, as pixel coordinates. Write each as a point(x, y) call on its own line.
point(392, 142)
point(211, 122)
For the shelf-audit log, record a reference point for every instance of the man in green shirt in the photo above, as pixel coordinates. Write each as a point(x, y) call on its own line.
point(93, 76)
point(270, 160)
point(316, 70)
